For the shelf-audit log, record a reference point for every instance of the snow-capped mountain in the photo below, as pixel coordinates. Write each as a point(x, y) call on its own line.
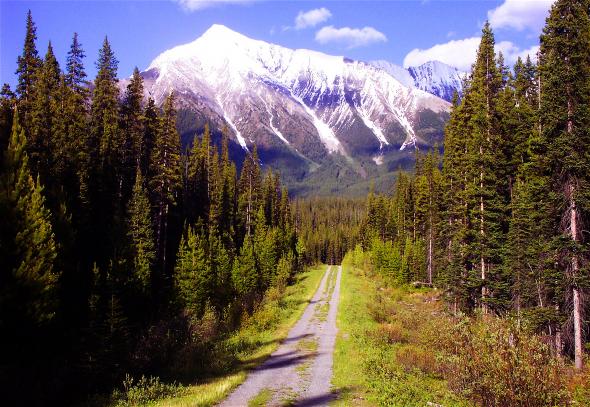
point(297, 106)
point(434, 77)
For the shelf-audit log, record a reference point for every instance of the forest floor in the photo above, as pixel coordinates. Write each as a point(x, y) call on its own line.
point(299, 372)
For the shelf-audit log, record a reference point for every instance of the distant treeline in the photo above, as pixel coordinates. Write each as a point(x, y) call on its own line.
point(329, 226)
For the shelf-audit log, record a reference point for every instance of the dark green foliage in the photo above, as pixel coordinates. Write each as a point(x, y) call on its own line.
point(506, 215)
point(563, 149)
point(327, 228)
point(120, 252)
point(141, 235)
point(75, 73)
point(7, 103)
point(165, 176)
point(193, 277)
point(245, 276)
point(29, 280)
point(28, 64)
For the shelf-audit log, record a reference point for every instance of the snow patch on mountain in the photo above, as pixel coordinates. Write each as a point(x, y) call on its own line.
point(229, 121)
point(273, 128)
point(438, 79)
point(373, 127)
point(303, 92)
point(434, 77)
point(398, 72)
point(326, 134)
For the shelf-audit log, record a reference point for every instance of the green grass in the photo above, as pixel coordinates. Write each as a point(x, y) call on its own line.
point(261, 399)
point(256, 340)
point(379, 360)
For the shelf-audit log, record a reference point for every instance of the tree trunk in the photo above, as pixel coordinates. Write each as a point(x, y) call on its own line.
point(578, 352)
point(482, 233)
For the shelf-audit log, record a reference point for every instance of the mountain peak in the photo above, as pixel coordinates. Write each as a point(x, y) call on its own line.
point(220, 31)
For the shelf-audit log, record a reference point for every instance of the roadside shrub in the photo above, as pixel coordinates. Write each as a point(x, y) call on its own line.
point(381, 309)
point(579, 388)
point(390, 333)
point(495, 364)
point(414, 357)
point(145, 390)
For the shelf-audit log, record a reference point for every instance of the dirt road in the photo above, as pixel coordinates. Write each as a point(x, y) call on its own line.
point(300, 370)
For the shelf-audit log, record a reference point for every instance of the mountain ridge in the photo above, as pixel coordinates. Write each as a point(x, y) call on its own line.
point(302, 108)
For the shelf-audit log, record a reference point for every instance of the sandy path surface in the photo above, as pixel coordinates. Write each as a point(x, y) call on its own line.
point(300, 370)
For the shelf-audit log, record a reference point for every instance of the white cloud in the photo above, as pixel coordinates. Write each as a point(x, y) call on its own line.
point(511, 52)
point(194, 5)
point(458, 53)
point(350, 37)
point(462, 53)
point(520, 14)
point(311, 18)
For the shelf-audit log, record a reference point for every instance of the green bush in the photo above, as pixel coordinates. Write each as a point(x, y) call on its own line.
point(145, 390)
point(496, 364)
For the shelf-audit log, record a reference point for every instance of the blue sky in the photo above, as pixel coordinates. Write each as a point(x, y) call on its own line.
point(404, 32)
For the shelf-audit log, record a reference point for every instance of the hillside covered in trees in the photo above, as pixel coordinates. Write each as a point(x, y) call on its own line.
point(115, 241)
point(500, 220)
point(127, 252)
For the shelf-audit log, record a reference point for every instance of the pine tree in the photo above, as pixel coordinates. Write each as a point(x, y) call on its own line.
point(105, 146)
point(151, 128)
point(454, 218)
point(75, 146)
point(28, 63)
point(141, 235)
point(193, 278)
point(565, 140)
point(132, 127)
point(249, 190)
point(165, 174)
point(265, 246)
point(75, 73)
point(28, 244)
point(7, 105)
point(244, 274)
point(221, 267)
point(228, 189)
point(43, 112)
point(103, 149)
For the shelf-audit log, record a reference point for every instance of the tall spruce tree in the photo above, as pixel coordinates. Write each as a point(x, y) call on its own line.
point(141, 235)
point(193, 278)
point(105, 148)
point(44, 109)
point(28, 63)
point(104, 157)
point(151, 127)
point(565, 144)
point(132, 126)
point(166, 175)
point(30, 281)
point(245, 276)
point(75, 72)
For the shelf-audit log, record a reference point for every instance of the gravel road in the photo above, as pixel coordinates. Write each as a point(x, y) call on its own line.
point(300, 370)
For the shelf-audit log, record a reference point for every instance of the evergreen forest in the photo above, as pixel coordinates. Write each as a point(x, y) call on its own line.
point(128, 255)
